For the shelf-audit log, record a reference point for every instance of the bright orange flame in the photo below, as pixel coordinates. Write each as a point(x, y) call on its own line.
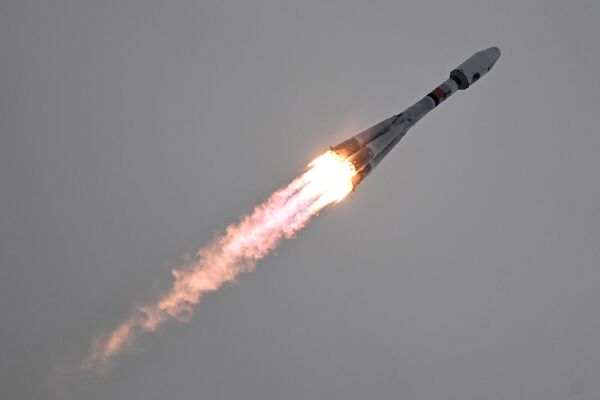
point(327, 180)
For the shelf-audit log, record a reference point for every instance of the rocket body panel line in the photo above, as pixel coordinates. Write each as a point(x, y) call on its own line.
point(375, 131)
point(381, 142)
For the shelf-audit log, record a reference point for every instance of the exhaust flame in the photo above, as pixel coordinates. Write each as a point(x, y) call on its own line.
point(328, 180)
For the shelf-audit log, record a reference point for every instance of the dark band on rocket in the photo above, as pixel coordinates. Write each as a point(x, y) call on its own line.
point(440, 93)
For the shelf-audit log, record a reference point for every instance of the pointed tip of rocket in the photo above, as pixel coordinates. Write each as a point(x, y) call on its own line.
point(493, 54)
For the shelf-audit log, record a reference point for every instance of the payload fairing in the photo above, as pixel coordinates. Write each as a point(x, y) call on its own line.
point(366, 149)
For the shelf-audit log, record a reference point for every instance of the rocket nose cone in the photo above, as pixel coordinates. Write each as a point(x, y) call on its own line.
point(493, 54)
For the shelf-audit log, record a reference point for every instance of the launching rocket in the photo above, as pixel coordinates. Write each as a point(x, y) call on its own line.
point(328, 179)
point(366, 149)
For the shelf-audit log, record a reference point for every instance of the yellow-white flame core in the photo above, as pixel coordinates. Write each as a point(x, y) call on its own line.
point(329, 177)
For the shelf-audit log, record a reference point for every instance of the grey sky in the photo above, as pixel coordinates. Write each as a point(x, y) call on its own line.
point(465, 267)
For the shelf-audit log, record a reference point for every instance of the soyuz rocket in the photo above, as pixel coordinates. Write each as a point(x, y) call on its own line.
point(366, 149)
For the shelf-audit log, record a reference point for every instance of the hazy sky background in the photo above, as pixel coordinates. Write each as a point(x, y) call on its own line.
point(466, 267)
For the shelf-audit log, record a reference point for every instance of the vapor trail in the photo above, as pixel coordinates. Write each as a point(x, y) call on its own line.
point(327, 180)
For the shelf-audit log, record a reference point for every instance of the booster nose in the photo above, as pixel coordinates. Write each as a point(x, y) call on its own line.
point(493, 54)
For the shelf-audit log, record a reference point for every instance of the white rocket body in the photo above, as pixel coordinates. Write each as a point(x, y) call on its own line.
point(366, 149)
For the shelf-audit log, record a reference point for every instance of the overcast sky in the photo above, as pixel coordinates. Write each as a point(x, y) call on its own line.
point(467, 266)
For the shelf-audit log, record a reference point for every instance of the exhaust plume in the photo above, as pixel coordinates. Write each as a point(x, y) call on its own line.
point(327, 180)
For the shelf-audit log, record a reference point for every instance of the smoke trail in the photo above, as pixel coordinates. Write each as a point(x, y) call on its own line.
point(285, 212)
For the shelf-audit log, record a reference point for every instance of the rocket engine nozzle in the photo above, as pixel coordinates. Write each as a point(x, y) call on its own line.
point(346, 148)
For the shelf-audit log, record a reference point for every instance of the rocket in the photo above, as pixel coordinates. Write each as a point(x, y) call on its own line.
point(366, 149)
